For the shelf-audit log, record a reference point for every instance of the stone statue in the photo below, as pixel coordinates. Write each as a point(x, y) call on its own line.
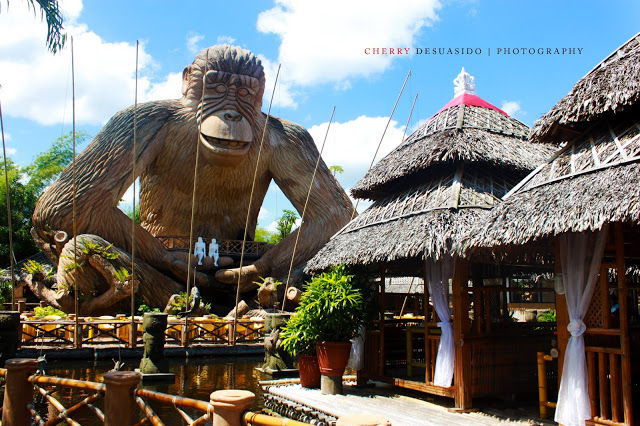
point(199, 250)
point(214, 251)
point(221, 112)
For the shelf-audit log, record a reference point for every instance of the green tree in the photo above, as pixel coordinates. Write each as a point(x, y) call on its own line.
point(50, 10)
point(48, 165)
point(336, 169)
point(23, 200)
point(285, 223)
point(265, 236)
point(26, 184)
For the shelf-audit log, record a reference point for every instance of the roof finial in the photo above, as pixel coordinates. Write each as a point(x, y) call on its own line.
point(464, 83)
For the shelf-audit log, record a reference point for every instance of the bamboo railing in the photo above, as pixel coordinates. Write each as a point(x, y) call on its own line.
point(58, 332)
point(124, 402)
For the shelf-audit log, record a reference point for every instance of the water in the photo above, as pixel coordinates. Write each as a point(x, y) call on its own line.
point(195, 378)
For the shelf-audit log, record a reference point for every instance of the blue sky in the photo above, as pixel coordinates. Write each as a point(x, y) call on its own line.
point(321, 46)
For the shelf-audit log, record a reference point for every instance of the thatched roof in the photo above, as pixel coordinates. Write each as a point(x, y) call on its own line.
point(593, 180)
point(463, 132)
point(429, 233)
point(437, 186)
point(610, 87)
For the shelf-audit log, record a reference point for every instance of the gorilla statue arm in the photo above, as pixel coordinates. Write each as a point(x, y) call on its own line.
point(292, 160)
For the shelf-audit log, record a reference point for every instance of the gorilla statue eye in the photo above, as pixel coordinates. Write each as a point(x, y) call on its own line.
point(243, 91)
point(220, 88)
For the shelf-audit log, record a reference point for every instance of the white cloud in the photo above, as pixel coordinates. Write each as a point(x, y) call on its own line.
point(223, 39)
point(353, 143)
point(324, 42)
point(11, 151)
point(37, 84)
point(510, 107)
point(192, 43)
point(264, 213)
point(283, 97)
point(170, 88)
point(273, 226)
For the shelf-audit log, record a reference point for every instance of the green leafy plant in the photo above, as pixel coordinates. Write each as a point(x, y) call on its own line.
point(5, 291)
point(47, 310)
point(547, 316)
point(122, 274)
point(331, 309)
point(181, 304)
point(144, 308)
point(69, 267)
point(33, 267)
point(90, 248)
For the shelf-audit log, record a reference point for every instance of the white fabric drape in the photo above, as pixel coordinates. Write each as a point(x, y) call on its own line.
point(575, 250)
point(438, 274)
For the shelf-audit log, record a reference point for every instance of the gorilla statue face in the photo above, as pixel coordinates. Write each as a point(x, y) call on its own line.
point(232, 98)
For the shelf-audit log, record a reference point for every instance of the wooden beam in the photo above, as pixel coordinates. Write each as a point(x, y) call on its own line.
point(462, 357)
point(624, 324)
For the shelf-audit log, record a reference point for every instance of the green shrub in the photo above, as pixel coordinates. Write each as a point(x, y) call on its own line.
point(331, 309)
point(47, 310)
point(548, 316)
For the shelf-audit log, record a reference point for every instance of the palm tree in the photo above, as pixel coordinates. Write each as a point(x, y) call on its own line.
point(336, 169)
point(50, 10)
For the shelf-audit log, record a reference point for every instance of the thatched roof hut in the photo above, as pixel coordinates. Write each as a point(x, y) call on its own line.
point(594, 178)
point(437, 184)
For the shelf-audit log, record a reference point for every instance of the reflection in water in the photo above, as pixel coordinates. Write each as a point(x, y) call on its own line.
point(195, 378)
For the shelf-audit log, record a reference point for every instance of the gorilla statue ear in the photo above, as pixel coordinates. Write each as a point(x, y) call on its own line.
point(185, 79)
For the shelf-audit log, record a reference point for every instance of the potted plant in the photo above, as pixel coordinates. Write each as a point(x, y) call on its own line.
point(298, 338)
point(334, 306)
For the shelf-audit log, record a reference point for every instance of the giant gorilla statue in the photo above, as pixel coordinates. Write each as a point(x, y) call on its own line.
point(221, 112)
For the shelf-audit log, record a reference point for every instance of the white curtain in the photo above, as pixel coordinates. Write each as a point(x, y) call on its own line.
point(576, 249)
point(438, 274)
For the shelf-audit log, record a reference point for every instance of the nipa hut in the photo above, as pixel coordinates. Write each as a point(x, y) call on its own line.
point(428, 193)
point(584, 203)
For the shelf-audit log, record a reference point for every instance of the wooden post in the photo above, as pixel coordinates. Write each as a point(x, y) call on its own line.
point(427, 343)
point(229, 406)
point(603, 380)
point(624, 324)
point(542, 386)
point(383, 270)
point(593, 393)
point(462, 359)
point(119, 402)
point(18, 392)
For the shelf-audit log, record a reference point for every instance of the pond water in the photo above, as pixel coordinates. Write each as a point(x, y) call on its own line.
point(195, 378)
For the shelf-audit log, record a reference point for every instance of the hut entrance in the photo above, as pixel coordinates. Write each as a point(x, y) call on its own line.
point(494, 344)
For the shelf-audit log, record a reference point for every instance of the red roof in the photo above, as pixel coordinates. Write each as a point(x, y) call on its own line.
point(471, 100)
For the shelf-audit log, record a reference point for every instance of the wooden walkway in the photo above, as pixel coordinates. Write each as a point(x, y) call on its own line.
point(382, 400)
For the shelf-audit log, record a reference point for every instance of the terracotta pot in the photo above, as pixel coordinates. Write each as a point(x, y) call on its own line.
point(309, 371)
point(333, 357)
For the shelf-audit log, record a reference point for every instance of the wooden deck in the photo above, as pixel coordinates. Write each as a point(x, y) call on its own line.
point(307, 404)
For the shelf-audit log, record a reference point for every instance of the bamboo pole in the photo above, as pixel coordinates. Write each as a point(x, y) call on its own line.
point(77, 331)
point(132, 339)
point(6, 179)
point(246, 223)
point(304, 209)
point(624, 324)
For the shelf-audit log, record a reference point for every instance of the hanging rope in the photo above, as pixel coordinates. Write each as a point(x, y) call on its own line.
point(6, 180)
point(193, 200)
point(304, 210)
point(75, 192)
point(133, 221)
point(246, 223)
point(383, 133)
